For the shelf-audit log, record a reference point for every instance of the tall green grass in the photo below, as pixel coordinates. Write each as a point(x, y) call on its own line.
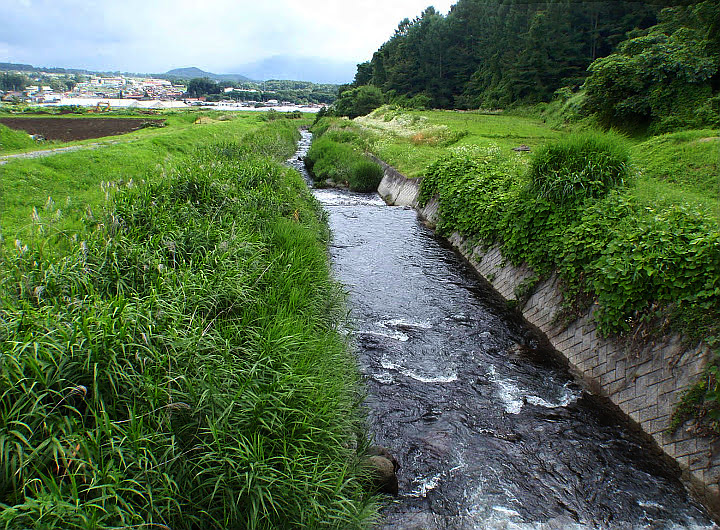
point(341, 163)
point(580, 166)
point(12, 140)
point(76, 181)
point(178, 365)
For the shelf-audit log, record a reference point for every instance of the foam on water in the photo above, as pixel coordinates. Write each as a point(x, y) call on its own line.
point(426, 485)
point(514, 398)
point(417, 375)
point(395, 335)
point(332, 197)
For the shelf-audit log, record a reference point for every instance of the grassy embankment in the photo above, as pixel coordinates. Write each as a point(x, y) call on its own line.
point(631, 224)
point(175, 363)
point(73, 181)
point(12, 141)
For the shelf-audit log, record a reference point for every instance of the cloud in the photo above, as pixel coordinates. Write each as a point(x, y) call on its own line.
point(147, 35)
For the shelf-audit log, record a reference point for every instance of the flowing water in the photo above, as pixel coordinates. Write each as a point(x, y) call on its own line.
point(490, 429)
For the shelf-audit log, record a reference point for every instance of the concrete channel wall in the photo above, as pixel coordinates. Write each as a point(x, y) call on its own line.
point(646, 383)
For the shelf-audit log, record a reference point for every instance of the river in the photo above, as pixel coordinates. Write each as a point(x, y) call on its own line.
point(489, 427)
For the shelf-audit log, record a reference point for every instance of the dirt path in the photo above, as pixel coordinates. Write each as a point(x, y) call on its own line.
point(4, 159)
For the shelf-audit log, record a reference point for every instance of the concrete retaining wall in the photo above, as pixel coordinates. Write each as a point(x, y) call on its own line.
point(645, 383)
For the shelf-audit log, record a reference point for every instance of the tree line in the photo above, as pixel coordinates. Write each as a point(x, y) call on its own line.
point(13, 81)
point(495, 53)
point(300, 92)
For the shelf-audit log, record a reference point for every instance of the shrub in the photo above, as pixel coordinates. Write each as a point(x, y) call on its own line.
point(358, 101)
point(365, 175)
point(342, 163)
point(580, 166)
point(663, 78)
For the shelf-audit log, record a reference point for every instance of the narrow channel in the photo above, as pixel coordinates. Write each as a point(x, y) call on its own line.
point(490, 429)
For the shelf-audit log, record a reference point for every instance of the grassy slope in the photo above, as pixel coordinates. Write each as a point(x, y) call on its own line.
point(178, 364)
point(413, 140)
point(680, 167)
point(13, 141)
point(76, 180)
point(675, 168)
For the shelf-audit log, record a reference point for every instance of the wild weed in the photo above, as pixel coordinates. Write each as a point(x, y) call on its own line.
point(179, 366)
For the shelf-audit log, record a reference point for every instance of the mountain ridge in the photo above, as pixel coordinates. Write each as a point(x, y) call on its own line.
point(191, 72)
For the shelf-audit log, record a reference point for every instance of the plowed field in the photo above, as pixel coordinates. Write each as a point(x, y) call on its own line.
point(69, 129)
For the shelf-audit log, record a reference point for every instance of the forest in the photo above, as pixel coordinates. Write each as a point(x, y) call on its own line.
point(649, 63)
point(299, 92)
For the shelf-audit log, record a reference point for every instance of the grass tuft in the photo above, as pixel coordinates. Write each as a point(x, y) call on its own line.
point(579, 166)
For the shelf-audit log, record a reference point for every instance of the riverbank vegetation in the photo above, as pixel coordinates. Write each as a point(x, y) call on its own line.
point(337, 158)
point(575, 209)
point(174, 362)
point(629, 224)
point(78, 180)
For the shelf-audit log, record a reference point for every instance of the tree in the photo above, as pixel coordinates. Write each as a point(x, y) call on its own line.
point(497, 52)
point(13, 82)
point(364, 74)
point(198, 87)
point(359, 101)
point(663, 78)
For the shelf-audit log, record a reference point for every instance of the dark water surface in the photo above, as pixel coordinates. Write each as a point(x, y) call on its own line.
point(490, 430)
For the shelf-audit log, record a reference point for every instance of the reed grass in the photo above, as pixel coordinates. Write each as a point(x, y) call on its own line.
point(78, 180)
point(178, 364)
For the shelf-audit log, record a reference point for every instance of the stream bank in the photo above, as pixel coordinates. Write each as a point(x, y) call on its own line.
point(490, 428)
point(645, 383)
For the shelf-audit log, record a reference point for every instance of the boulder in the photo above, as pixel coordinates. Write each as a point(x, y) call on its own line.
point(383, 468)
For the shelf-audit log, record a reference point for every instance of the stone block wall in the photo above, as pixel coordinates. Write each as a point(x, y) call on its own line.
point(646, 383)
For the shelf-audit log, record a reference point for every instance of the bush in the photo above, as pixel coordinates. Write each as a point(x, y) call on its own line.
point(342, 163)
point(663, 78)
point(358, 101)
point(327, 159)
point(580, 166)
point(365, 175)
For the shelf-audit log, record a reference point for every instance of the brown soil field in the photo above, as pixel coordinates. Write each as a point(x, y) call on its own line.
point(69, 129)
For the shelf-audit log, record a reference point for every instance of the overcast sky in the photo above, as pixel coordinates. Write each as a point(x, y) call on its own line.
point(158, 35)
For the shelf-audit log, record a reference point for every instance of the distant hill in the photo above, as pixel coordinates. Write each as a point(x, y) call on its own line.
point(18, 67)
point(301, 69)
point(193, 72)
